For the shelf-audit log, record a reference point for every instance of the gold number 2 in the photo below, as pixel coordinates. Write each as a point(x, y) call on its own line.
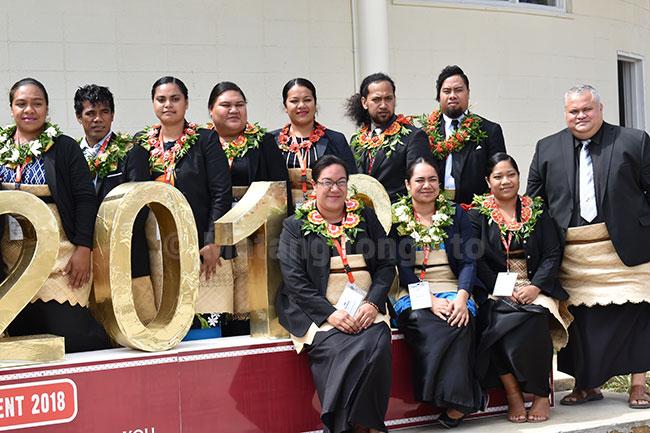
point(112, 265)
point(36, 261)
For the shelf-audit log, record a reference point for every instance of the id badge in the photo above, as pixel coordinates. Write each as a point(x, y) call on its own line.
point(505, 284)
point(15, 230)
point(420, 295)
point(351, 299)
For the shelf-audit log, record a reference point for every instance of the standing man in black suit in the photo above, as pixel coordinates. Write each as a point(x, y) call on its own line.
point(385, 144)
point(460, 140)
point(113, 160)
point(594, 178)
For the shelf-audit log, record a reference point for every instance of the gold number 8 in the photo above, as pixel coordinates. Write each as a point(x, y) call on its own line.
point(112, 265)
point(36, 261)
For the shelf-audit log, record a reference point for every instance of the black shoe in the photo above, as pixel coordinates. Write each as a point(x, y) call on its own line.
point(447, 422)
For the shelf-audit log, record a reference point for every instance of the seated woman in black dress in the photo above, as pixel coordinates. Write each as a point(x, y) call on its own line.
point(192, 160)
point(253, 156)
point(433, 236)
point(333, 254)
point(52, 166)
point(303, 140)
point(521, 327)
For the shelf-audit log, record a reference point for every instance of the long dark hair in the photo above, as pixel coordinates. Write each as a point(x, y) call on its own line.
point(324, 162)
point(421, 160)
point(223, 87)
point(169, 80)
point(354, 110)
point(25, 82)
point(303, 82)
point(497, 158)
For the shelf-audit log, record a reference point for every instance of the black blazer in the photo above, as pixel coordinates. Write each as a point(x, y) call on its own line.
point(305, 266)
point(335, 144)
point(391, 171)
point(622, 195)
point(133, 168)
point(470, 163)
point(203, 177)
point(542, 248)
point(263, 163)
point(457, 246)
point(71, 186)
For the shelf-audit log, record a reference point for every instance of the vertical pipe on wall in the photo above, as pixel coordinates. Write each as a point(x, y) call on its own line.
point(370, 34)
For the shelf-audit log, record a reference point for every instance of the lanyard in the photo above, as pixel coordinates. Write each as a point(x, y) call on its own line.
point(506, 245)
point(371, 162)
point(340, 247)
point(302, 160)
point(104, 144)
point(19, 171)
point(425, 261)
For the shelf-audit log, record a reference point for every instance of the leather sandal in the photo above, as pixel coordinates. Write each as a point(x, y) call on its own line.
point(448, 422)
point(581, 396)
point(639, 393)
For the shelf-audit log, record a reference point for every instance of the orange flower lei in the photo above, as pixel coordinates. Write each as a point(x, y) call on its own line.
point(531, 209)
point(469, 130)
point(249, 139)
point(164, 161)
point(283, 139)
point(362, 142)
point(313, 221)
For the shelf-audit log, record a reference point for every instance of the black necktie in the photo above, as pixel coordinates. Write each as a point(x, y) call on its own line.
point(454, 124)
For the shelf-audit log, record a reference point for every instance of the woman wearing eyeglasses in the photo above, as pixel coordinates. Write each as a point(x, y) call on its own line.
point(334, 252)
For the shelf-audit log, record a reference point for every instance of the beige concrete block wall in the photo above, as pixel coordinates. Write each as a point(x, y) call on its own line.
point(128, 44)
point(519, 61)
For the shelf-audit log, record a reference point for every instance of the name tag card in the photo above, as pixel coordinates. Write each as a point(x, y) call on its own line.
point(420, 295)
point(505, 284)
point(351, 299)
point(15, 230)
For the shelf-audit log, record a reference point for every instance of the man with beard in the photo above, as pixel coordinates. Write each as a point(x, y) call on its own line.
point(460, 140)
point(385, 143)
point(113, 160)
point(594, 177)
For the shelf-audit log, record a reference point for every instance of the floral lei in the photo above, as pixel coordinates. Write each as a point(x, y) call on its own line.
point(283, 139)
point(469, 130)
point(408, 224)
point(387, 140)
point(164, 161)
point(14, 155)
point(107, 160)
point(313, 221)
point(249, 139)
point(531, 209)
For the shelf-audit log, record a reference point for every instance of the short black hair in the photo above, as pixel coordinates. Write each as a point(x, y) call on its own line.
point(223, 87)
point(303, 82)
point(426, 159)
point(93, 94)
point(449, 71)
point(324, 162)
point(497, 158)
point(25, 82)
point(354, 110)
point(169, 80)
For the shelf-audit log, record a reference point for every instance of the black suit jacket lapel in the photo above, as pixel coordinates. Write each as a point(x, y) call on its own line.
point(607, 146)
point(49, 163)
point(567, 149)
point(379, 158)
point(254, 163)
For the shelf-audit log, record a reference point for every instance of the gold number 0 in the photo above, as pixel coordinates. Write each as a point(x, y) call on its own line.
point(36, 261)
point(112, 265)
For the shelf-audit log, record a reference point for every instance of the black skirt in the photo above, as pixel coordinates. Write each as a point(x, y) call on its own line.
point(443, 361)
point(352, 374)
point(606, 341)
point(516, 340)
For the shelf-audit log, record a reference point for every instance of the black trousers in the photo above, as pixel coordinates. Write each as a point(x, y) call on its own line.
point(75, 323)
